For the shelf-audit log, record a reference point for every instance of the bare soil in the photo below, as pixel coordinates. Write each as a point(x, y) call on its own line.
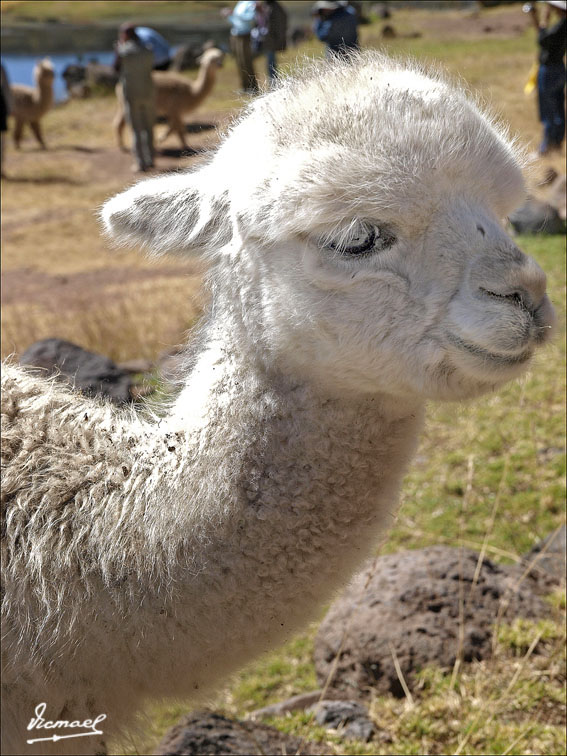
point(507, 23)
point(75, 290)
point(103, 166)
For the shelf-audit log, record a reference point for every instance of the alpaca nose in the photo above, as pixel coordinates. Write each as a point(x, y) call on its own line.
point(517, 279)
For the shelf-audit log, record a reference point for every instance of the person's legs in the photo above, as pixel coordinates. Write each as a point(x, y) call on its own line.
point(272, 64)
point(133, 115)
point(2, 140)
point(557, 105)
point(252, 81)
point(146, 116)
point(151, 116)
point(550, 87)
point(3, 130)
point(243, 53)
point(236, 48)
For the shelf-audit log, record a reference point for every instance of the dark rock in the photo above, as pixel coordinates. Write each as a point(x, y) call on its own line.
point(89, 372)
point(74, 74)
point(94, 74)
point(409, 605)
point(298, 35)
point(548, 555)
point(101, 76)
point(215, 735)
point(350, 716)
point(536, 217)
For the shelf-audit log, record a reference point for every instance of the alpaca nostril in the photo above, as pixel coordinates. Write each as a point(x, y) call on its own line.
point(518, 297)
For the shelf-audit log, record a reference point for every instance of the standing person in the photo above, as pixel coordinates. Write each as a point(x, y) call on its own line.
point(274, 36)
point(4, 113)
point(336, 24)
point(134, 63)
point(157, 44)
point(551, 73)
point(242, 20)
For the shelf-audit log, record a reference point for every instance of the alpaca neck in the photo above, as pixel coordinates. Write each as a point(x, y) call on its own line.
point(204, 82)
point(252, 420)
point(286, 494)
point(44, 93)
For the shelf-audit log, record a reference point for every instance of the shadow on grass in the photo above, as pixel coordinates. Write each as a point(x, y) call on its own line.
point(44, 180)
point(196, 128)
point(178, 152)
point(78, 148)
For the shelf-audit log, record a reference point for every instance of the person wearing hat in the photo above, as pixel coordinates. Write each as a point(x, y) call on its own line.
point(336, 25)
point(551, 73)
point(134, 63)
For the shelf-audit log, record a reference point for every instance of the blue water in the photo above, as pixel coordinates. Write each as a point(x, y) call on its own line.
point(20, 68)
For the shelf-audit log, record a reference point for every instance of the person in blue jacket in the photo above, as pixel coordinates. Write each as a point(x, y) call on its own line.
point(336, 24)
point(157, 44)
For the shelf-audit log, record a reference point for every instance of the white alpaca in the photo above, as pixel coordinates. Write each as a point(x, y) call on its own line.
point(358, 268)
point(175, 96)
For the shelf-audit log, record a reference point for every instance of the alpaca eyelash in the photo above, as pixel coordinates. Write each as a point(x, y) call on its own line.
point(360, 239)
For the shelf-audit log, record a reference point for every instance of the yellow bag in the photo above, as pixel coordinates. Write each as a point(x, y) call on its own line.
point(531, 83)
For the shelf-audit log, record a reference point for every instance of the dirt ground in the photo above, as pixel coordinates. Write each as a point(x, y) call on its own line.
point(55, 260)
point(509, 23)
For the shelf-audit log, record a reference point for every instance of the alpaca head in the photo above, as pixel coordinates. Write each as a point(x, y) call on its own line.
point(44, 72)
point(354, 220)
point(212, 57)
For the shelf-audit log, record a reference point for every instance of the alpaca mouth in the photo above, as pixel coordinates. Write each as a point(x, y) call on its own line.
point(495, 358)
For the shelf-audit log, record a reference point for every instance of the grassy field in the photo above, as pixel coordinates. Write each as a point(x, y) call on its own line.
point(103, 10)
point(487, 474)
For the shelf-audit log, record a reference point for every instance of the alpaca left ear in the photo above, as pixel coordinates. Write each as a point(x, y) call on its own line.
point(178, 213)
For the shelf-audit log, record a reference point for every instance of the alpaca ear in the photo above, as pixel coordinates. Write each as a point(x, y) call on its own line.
point(176, 213)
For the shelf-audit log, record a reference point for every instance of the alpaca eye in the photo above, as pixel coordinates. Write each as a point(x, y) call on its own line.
point(363, 239)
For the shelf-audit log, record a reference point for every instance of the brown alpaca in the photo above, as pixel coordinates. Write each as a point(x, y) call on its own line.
point(175, 95)
point(30, 104)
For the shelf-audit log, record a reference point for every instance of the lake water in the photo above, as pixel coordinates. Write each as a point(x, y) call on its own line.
point(20, 67)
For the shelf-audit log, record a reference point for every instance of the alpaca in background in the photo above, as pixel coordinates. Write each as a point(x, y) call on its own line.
point(176, 96)
point(359, 268)
point(30, 104)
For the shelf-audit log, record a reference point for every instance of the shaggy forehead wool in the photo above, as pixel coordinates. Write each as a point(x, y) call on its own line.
point(377, 104)
point(376, 137)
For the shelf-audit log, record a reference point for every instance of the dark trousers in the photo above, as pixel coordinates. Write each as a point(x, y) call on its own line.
point(551, 97)
point(242, 51)
point(141, 116)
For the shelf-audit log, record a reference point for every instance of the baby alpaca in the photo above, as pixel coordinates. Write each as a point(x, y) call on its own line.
point(30, 104)
point(175, 96)
point(358, 268)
